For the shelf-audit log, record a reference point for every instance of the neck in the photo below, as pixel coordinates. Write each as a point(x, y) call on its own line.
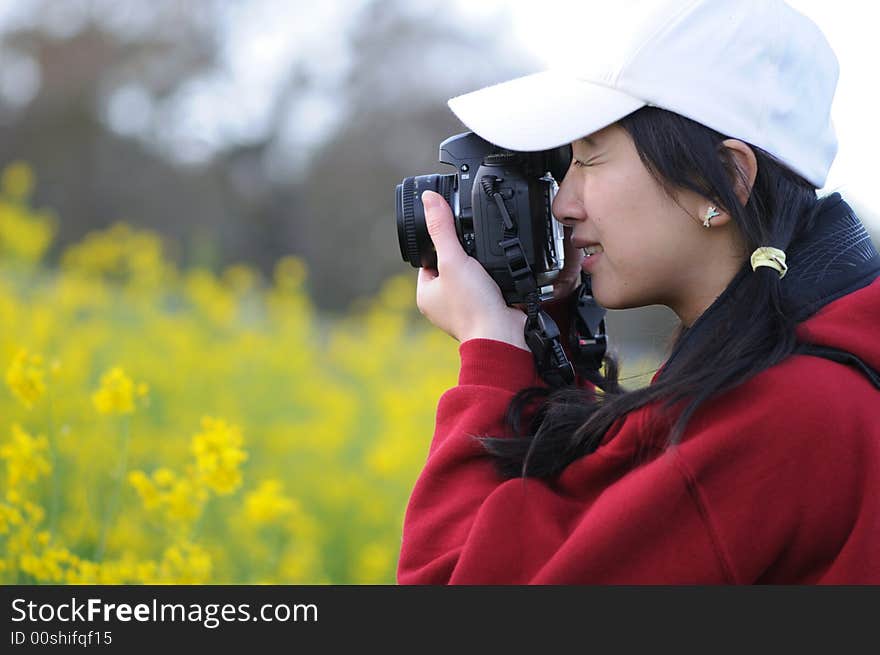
point(709, 280)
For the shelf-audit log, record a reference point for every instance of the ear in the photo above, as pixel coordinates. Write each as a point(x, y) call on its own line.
point(745, 167)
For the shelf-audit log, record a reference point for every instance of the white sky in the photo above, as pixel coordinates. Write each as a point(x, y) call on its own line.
point(552, 29)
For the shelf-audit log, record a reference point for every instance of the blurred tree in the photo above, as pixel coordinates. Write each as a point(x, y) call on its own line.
point(395, 116)
point(101, 133)
point(91, 175)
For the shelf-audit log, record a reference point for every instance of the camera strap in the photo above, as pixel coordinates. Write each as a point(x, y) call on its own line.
point(541, 332)
point(588, 331)
point(587, 339)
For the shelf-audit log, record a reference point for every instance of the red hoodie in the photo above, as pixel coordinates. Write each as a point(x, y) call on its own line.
point(776, 481)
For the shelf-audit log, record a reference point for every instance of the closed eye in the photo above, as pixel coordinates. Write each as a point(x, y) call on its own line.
point(577, 163)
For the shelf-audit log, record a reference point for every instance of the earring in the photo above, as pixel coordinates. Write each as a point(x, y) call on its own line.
point(710, 214)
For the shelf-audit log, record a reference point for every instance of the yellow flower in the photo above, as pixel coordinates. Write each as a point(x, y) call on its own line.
point(145, 488)
point(119, 253)
point(398, 293)
point(117, 393)
point(49, 566)
point(218, 453)
point(185, 563)
point(373, 563)
point(83, 572)
point(9, 517)
point(180, 498)
point(145, 572)
point(290, 273)
point(24, 235)
point(184, 500)
point(34, 513)
point(241, 278)
point(25, 377)
point(267, 503)
point(25, 457)
point(17, 180)
point(164, 477)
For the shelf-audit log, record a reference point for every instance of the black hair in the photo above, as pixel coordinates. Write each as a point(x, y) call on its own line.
point(755, 329)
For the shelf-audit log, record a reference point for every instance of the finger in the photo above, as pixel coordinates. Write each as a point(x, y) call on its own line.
point(441, 228)
point(426, 275)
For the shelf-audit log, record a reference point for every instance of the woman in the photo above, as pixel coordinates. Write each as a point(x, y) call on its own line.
point(754, 455)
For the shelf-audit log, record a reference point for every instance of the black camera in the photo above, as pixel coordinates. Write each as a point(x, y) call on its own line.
point(501, 202)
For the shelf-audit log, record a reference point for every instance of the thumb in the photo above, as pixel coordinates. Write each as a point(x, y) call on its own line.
point(441, 228)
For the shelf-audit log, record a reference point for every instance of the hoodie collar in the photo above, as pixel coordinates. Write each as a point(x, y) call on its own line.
point(836, 259)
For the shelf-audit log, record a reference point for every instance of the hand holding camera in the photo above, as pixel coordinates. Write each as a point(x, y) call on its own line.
point(459, 296)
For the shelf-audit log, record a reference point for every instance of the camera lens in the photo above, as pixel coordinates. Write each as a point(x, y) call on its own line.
point(416, 246)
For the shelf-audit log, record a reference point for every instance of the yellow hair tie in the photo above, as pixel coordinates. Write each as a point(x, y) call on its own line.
point(772, 257)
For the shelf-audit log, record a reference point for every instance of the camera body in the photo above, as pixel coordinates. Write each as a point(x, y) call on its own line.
point(497, 197)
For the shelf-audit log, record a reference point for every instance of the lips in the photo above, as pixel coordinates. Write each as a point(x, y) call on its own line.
point(589, 262)
point(593, 249)
point(592, 252)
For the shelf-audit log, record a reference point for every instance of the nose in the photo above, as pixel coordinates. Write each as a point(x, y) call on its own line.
point(566, 207)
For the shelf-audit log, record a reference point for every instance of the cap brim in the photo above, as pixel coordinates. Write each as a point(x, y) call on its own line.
point(541, 111)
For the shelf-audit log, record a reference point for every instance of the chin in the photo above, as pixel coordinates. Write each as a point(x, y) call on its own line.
point(602, 296)
point(612, 301)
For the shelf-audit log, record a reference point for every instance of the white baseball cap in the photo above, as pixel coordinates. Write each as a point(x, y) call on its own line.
point(755, 70)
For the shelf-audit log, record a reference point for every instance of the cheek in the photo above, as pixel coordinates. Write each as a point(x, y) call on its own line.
point(641, 254)
point(627, 212)
point(616, 198)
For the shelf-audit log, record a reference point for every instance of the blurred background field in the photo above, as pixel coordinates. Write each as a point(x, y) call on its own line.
point(214, 371)
point(167, 425)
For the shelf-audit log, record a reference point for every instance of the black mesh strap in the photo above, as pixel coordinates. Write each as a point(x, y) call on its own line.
point(541, 332)
point(589, 341)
